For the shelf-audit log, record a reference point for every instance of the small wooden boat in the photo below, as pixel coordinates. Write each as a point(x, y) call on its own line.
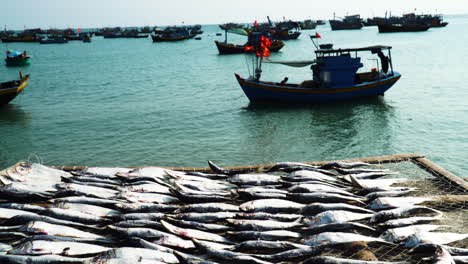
point(404, 27)
point(228, 48)
point(9, 90)
point(17, 58)
point(173, 34)
point(334, 74)
point(28, 38)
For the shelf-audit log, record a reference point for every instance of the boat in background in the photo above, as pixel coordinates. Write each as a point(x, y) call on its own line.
point(348, 22)
point(9, 90)
point(54, 40)
point(405, 27)
point(335, 77)
point(173, 34)
point(229, 48)
point(308, 24)
point(17, 58)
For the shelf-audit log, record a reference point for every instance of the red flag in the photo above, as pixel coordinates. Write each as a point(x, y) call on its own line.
point(255, 23)
point(317, 35)
point(265, 43)
point(79, 30)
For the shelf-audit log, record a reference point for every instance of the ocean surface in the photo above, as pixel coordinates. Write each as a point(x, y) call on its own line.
point(132, 102)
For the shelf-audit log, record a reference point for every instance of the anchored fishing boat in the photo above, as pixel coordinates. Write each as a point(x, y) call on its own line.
point(17, 58)
point(9, 90)
point(334, 73)
point(229, 48)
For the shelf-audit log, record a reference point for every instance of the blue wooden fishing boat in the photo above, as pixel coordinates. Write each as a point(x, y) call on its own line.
point(9, 90)
point(335, 78)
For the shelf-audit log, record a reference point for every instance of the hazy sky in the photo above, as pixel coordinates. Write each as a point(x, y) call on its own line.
point(99, 13)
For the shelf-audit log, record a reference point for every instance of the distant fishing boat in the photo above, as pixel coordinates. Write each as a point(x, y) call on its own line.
point(334, 77)
point(229, 48)
point(9, 90)
point(173, 34)
point(348, 22)
point(405, 27)
point(17, 58)
point(21, 38)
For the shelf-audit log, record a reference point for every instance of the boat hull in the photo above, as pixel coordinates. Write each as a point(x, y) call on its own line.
point(157, 38)
point(393, 28)
point(17, 63)
point(340, 25)
point(228, 48)
point(270, 92)
point(7, 94)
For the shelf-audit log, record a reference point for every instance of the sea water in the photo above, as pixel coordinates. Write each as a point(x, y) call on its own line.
point(132, 102)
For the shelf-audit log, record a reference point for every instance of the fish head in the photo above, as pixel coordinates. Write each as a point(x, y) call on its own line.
point(27, 248)
point(412, 241)
point(19, 171)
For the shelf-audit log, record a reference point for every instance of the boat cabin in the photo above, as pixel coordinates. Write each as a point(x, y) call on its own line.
point(339, 67)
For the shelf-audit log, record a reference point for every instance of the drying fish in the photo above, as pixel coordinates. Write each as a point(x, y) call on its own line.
point(88, 209)
point(206, 185)
point(268, 245)
point(289, 166)
point(103, 171)
point(431, 248)
point(358, 171)
point(141, 216)
point(417, 220)
point(374, 189)
point(341, 165)
point(205, 217)
point(266, 189)
point(46, 259)
point(339, 227)
point(86, 200)
point(384, 203)
point(139, 242)
point(330, 238)
point(399, 234)
point(271, 206)
point(90, 179)
point(84, 190)
point(200, 226)
point(22, 207)
point(72, 215)
point(228, 255)
point(138, 223)
point(263, 225)
point(255, 179)
point(43, 247)
point(210, 176)
point(402, 212)
point(38, 227)
point(366, 176)
point(207, 208)
point(219, 170)
point(443, 256)
point(200, 198)
point(375, 195)
point(382, 183)
point(134, 255)
point(145, 207)
point(268, 216)
point(189, 191)
point(305, 175)
point(17, 192)
point(432, 237)
point(148, 197)
point(316, 208)
point(186, 259)
point(6, 213)
point(249, 195)
point(293, 254)
point(305, 188)
point(265, 235)
point(33, 172)
point(4, 248)
point(24, 219)
point(174, 241)
point(333, 260)
point(151, 172)
point(324, 197)
point(328, 217)
point(148, 187)
point(193, 233)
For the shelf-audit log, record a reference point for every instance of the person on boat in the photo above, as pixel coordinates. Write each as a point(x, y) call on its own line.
point(283, 82)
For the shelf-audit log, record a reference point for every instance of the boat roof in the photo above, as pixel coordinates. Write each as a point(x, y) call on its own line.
point(370, 48)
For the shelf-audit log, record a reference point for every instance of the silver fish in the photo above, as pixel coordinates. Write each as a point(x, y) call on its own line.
point(339, 227)
point(316, 208)
point(399, 234)
point(432, 237)
point(304, 175)
point(402, 212)
point(271, 206)
point(205, 217)
point(148, 187)
point(86, 200)
point(145, 207)
point(339, 164)
point(104, 170)
point(330, 238)
point(72, 215)
point(269, 245)
point(268, 216)
point(324, 197)
point(46, 259)
point(394, 223)
point(215, 228)
point(207, 208)
point(384, 203)
point(23, 207)
point(38, 227)
point(133, 255)
point(266, 235)
point(43, 247)
point(328, 217)
point(193, 233)
point(255, 179)
point(6, 213)
point(141, 216)
point(95, 210)
point(263, 225)
point(228, 255)
point(393, 193)
point(148, 197)
point(334, 260)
